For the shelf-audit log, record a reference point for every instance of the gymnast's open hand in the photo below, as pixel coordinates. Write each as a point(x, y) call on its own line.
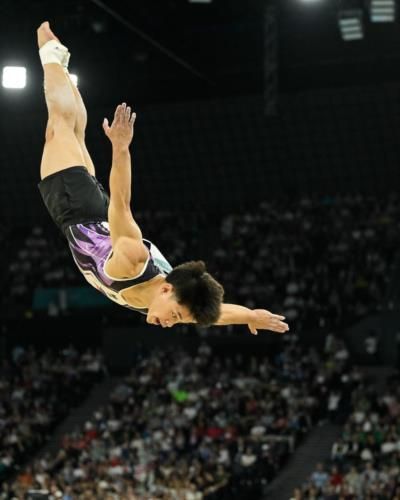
point(261, 319)
point(121, 131)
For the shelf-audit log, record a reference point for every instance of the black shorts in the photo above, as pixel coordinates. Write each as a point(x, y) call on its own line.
point(73, 196)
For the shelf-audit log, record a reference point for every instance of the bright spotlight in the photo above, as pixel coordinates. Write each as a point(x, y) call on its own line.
point(74, 79)
point(382, 11)
point(351, 24)
point(14, 77)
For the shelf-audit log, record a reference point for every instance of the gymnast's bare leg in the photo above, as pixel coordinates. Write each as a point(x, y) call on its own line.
point(65, 132)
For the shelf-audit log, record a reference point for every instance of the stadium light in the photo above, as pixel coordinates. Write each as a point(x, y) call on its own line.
point(351, 24)
point(74, 79)
point(14, 77)
point(382, 11)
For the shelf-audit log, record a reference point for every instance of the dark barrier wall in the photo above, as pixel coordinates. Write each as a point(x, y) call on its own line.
point(122, 344)
point(221, 154)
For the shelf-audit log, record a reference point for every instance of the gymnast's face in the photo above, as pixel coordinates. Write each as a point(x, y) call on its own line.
point(165, 310)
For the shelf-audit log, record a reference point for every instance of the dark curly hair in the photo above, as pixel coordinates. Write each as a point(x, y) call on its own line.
point(196, 289)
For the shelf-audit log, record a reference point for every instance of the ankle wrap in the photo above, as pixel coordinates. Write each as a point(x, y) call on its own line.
point(54, 52)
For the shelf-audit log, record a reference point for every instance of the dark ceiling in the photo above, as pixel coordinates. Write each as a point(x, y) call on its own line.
point(173, 49)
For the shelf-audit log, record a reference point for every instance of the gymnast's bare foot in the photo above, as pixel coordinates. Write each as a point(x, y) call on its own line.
point(45, 34)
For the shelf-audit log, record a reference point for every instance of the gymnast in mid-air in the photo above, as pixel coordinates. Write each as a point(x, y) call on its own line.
point(104, 238)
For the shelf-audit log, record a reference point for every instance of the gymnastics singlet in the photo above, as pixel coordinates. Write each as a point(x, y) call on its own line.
point(91, 248)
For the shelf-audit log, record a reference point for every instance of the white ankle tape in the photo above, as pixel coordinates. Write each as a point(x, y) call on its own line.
point(53, 52)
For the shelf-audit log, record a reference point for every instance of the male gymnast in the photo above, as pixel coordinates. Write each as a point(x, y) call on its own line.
point(105, 240)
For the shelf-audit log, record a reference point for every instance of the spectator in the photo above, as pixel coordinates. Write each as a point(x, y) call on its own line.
point(319, 477)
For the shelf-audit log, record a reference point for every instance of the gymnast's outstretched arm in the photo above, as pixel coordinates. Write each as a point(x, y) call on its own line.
point(256, 319)
point(129, 252)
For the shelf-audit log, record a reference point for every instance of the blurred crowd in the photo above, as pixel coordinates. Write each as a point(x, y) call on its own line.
point(37, 390)
point(194, 426)
point(201, 425)
point(365, 460)
point(322, 262)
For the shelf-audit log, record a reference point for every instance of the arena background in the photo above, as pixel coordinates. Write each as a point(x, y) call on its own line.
point(240, 105)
